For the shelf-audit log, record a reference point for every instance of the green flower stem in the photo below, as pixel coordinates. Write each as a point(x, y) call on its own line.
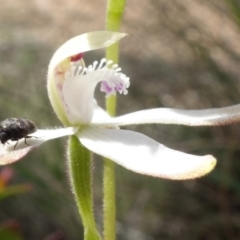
point(109, 205)
point(81, 183)
point(235, 9)
point(115, 9)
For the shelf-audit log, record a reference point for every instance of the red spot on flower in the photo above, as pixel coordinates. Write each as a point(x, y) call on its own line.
point(76, 57)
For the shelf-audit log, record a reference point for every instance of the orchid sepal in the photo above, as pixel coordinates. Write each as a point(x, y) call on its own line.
point(142, 154)
point(202, 117)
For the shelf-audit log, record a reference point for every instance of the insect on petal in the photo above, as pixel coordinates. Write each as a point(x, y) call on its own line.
point(13, 151)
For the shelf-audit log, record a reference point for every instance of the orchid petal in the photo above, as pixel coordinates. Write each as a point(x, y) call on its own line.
point(205, 117)
point(13, 151)
point(83, 43)
point(142, 154)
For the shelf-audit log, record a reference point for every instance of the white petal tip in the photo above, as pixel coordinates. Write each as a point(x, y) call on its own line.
point(196, 170)
point(210, 163)
point(13, 156)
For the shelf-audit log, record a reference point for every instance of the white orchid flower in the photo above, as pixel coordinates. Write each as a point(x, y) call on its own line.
point(71, 88)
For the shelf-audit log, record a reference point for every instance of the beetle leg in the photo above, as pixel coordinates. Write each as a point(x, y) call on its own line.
point(15, 145)
point(25, 141)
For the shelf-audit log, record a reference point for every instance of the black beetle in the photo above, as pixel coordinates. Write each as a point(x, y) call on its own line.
point(15, 129)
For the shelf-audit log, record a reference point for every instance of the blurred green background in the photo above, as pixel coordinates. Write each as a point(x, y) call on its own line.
point(181, 54)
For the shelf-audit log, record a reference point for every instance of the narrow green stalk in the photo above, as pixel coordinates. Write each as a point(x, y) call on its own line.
point(81, 183)
point(115, 9)
point(235, 9)
point(109, 205)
